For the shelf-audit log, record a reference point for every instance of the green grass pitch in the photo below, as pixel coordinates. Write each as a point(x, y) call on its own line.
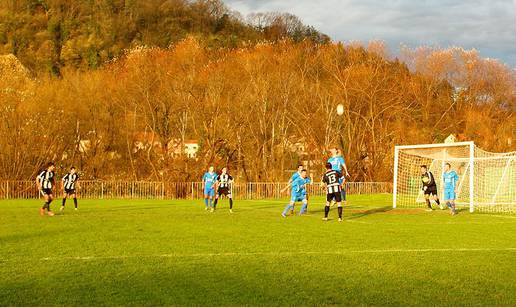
point(152, 252)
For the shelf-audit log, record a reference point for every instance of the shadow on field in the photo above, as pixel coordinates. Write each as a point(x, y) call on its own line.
point(129, 208)
point(170, 282)
point(361, 214)
point(22, 236)
point(356, 211)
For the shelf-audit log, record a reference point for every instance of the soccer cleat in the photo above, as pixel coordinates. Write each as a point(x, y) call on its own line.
point(340, 219)
point(212, 209)
point(41, 211)
point(61, 209)
point(76, 209)
point(429, 210)
point(205, 208)
point(230, 210)
point(283, 215)
point(324, 218)
point(50, 213)
point(441, 206)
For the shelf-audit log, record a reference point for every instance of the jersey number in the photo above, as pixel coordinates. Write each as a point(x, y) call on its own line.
point(332, 179)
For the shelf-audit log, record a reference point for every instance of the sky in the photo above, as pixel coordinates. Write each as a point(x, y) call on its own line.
point(486, 25)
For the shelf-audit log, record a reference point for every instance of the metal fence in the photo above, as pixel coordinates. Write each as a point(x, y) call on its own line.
point(176, 190)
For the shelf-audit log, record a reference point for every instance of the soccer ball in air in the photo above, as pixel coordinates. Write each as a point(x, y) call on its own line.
point(340, 109)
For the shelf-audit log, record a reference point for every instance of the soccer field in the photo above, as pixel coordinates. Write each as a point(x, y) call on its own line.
point(154, 252)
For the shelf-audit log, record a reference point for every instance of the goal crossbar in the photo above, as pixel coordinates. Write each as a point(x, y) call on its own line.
point(458, 144)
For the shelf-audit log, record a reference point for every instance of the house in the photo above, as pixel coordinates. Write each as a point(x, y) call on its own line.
point(189, 148)
point(175, 147)
point(450, 139)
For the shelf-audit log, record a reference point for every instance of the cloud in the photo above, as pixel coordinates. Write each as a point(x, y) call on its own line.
point(488, 26)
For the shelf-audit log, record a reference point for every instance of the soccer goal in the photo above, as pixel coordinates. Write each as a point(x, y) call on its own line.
point(487, 181)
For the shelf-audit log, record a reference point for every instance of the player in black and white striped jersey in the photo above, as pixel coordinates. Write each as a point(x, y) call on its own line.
point(331, 181)
point(224, 187)
point(45, 182)
point(69, 184)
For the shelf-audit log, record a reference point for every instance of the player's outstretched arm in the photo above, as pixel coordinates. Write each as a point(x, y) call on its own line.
point(285, 188)
point(346, 169)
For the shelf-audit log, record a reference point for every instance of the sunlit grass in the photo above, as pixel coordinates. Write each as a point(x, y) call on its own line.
point(129, 252)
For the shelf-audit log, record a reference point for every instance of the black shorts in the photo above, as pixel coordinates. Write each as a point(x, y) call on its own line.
point(337, 196)
point(69, 191)
point(47, 191)
point(431, 190)
point(224, 191)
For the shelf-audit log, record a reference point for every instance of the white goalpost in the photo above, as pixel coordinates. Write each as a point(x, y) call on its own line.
point(487, 181)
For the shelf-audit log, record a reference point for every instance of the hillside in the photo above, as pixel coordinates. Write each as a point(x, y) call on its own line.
point(50, 35)
point(10, 66)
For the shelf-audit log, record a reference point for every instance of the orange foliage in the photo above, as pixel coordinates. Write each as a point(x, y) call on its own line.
point(259, 109)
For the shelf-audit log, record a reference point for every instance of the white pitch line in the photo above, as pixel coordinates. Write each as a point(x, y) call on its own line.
point(443, 223)
point(503, 216)
point(282, 254)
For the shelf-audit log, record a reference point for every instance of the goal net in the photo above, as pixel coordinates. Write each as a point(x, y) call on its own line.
point(487, 181)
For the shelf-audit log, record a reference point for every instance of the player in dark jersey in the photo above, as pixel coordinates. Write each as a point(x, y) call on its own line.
point(69, 184)
point(331, 181)
point(45, 182)
point(429, 187)
point(339, 164)
point(223, 186)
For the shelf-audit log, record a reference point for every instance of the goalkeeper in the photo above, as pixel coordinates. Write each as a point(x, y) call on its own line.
point(429, 188)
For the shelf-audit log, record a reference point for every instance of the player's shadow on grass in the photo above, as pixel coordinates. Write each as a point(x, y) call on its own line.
point(356, 213)
point(461, 210)
point(128, 208)
point(364, 213)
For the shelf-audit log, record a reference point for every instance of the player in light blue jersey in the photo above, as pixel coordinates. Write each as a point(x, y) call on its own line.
point(450, 179)
point(337, 161)
point(304, 208)
point(294, 176)
point(339, 164)
point(297, 193)
point(208, 186)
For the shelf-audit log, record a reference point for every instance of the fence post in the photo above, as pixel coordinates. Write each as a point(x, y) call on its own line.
point(102, 190)
point(192, 190)
point(7, 190)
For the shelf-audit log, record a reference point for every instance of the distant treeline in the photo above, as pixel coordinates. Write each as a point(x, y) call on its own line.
point(259, 109)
